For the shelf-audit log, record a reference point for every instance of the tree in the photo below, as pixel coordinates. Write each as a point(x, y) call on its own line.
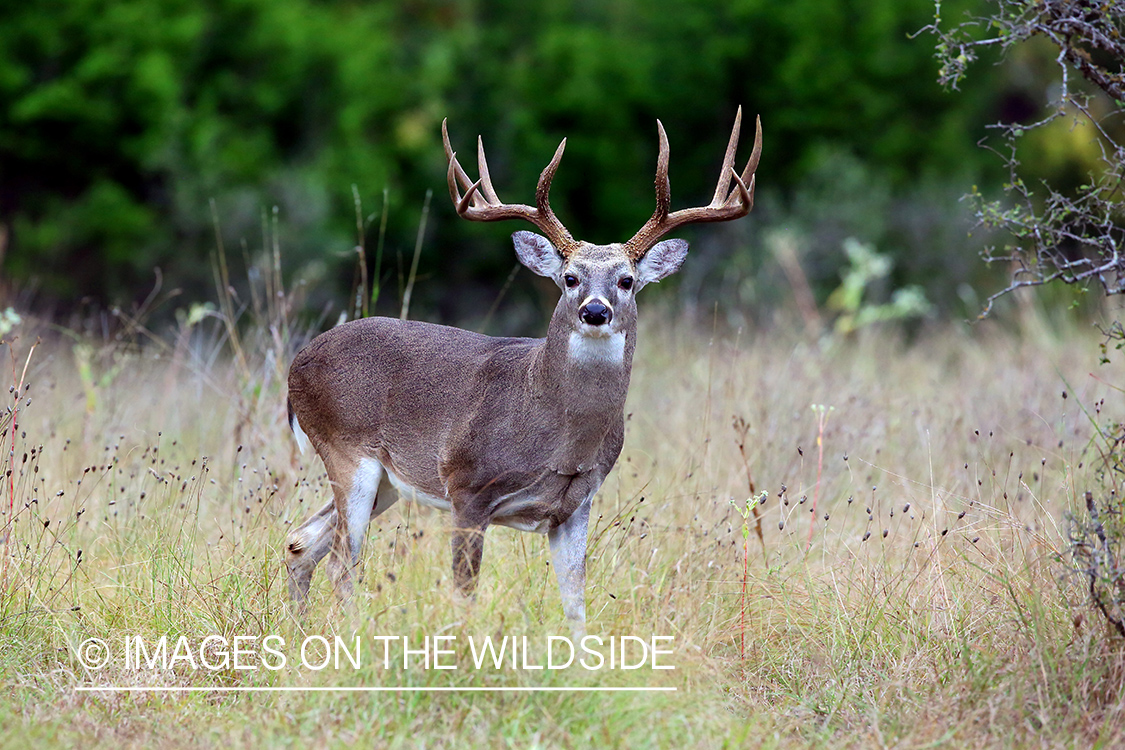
point(1070, 233)
point(1067, 232)
point(122, 120)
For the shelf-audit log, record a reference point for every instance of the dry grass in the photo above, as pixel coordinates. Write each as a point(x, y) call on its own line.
point(928, 605)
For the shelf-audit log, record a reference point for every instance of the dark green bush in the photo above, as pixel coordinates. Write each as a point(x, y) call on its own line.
point(122, 120)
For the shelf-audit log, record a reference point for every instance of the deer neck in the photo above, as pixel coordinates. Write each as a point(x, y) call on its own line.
point(583, 382)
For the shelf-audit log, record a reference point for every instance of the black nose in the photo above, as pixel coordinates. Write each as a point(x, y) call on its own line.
point(595, 313)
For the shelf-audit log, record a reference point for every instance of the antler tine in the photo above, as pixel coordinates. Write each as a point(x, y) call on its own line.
point(755, 155)
point(454, 194)
point(451, 156)
point(461, 204)
point(747, 177)
point(486, 180)
point(481, 203)
point(721, 194)
point(663, 185)
point(723, 206)
point(745, 192)
point(546, 177)
point(647, 235)
point(550, 223)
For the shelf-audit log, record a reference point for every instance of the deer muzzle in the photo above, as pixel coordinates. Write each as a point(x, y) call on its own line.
point(595, 313)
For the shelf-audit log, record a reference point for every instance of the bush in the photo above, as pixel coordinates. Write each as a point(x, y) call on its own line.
point(121, 121)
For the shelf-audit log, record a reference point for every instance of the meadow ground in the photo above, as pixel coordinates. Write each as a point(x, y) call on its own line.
point(909, 587)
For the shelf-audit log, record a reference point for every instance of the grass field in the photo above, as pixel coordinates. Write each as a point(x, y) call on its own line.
point(909, 587)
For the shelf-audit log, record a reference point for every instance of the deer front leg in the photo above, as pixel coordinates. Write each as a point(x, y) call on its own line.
point(568, 555)
point(468, 549)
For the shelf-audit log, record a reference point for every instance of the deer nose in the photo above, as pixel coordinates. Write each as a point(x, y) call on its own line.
point(595, 313)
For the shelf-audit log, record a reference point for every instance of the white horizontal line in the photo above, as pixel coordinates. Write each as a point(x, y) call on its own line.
point(363, 689)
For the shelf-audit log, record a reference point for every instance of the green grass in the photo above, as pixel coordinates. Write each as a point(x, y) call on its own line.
point(954, 623)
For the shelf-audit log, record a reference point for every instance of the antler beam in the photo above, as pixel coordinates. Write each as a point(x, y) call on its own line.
point(728, 203)
point(480, 202)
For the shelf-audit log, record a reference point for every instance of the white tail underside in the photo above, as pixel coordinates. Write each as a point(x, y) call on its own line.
point(302, 438)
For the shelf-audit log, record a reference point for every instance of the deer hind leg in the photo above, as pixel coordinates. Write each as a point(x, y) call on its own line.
point(321, 533)
point(305, 547)
point(360, 496)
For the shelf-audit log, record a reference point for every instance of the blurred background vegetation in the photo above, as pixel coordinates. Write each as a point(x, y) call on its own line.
point(131, 131)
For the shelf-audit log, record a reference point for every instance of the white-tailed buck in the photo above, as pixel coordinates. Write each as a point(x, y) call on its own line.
point(511, 431)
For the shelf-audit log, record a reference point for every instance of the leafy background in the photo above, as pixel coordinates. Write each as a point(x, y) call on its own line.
point(123, 122)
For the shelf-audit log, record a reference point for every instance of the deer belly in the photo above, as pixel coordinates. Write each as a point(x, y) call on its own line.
point(523, 510)
point(535, 508)
point(518, 510)
point(410, 494)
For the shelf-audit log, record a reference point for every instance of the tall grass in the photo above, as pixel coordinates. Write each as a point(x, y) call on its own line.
point(908, 587)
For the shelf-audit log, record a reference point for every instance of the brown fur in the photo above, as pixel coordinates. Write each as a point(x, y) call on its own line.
point(513, 431)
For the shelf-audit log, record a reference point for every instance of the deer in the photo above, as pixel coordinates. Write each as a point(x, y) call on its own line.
point(517, 432)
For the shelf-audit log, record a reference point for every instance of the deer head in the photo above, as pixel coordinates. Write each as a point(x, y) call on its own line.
point(599, 282)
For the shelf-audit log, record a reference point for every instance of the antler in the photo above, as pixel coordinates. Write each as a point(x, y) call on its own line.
point(723, 207)
point(480, 202)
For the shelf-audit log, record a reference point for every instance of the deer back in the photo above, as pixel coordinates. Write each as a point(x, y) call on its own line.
point(442, 408)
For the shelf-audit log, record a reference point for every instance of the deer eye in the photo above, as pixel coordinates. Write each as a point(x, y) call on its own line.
point(626, 283)
point(570, 280)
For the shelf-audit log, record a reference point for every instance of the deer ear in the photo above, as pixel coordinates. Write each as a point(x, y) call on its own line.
point(538, 254)
point(662, 259)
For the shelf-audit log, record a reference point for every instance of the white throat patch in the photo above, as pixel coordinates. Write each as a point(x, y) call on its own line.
point(608, 349)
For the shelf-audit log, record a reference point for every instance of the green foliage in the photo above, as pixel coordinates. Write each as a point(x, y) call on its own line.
point(866, 267)
point(9, 319)
point(1069, 227)
point(120, 121)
